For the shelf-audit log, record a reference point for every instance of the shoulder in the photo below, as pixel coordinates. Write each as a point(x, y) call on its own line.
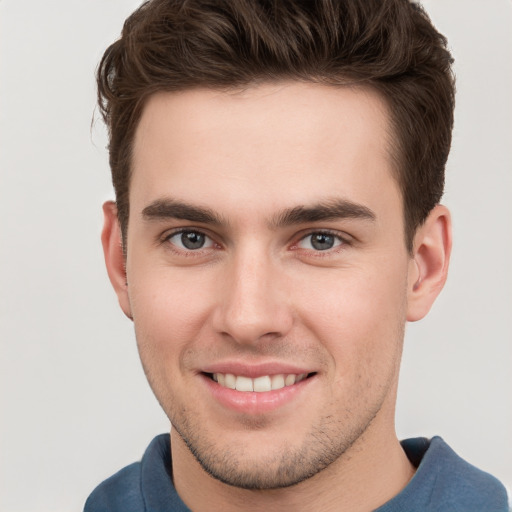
point(445, 481)
point(120, 492)
point(140, 486)
point(464, 485)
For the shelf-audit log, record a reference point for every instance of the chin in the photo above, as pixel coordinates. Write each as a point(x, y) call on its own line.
point(273, 471)
point(274, 462)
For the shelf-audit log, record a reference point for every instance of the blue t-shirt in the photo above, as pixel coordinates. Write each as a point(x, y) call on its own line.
point(443, 483)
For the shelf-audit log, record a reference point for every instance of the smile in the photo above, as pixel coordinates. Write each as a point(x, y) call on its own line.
point(257, 390)
point(262, 384)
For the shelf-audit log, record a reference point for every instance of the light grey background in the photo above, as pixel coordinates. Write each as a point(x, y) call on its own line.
point(75, 406)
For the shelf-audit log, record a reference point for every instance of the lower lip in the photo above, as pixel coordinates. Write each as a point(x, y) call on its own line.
point(250, 402)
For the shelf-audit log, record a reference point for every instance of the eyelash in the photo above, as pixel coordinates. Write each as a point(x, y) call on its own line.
point(344, 242)
point(183, 252)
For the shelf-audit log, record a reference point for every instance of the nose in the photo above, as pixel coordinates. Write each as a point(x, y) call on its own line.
point(253, 303)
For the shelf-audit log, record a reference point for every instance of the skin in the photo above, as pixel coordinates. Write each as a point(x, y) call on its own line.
point(260, 293)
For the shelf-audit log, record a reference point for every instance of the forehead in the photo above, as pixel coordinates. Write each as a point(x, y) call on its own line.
point(266, 145)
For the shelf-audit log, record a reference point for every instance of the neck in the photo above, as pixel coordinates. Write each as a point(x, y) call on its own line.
point(370, 473)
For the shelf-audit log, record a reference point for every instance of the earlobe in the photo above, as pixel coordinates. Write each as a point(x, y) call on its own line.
point(428, 268)
point(114, 256)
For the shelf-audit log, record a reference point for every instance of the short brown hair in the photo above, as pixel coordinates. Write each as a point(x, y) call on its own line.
point(391, 45)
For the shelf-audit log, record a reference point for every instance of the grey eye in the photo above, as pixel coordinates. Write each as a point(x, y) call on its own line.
point(320, 241)
point(191, 240)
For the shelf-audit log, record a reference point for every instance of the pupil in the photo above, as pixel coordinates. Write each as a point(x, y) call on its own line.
point(192, 240)
point(322, 241)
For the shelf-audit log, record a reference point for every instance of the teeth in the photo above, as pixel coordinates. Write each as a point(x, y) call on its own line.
point(262, 384)
point(244, 384)
point(289, 380)
point(230, 381)
point(259, 384)
point(277, 381)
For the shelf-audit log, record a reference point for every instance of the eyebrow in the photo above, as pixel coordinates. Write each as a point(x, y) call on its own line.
point(167, 208)
point(162, 209)
point(333, 209)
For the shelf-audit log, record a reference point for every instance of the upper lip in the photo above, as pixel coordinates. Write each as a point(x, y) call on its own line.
point(256, 370)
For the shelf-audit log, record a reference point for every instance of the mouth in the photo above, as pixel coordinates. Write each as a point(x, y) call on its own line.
point(261, 384)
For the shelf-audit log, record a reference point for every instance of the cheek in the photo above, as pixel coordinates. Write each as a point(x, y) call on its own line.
point(170, 309)
point(359, 318)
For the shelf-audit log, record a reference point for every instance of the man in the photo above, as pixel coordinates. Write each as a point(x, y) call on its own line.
point(278, 168)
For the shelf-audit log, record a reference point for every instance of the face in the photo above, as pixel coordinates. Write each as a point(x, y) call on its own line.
point(267, 275)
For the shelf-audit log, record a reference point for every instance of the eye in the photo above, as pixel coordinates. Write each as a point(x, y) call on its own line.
point(190, 240)
point(320, 241)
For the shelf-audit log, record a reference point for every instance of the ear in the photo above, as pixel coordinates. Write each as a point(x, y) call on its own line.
point(428, 267)
point(114, 256)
